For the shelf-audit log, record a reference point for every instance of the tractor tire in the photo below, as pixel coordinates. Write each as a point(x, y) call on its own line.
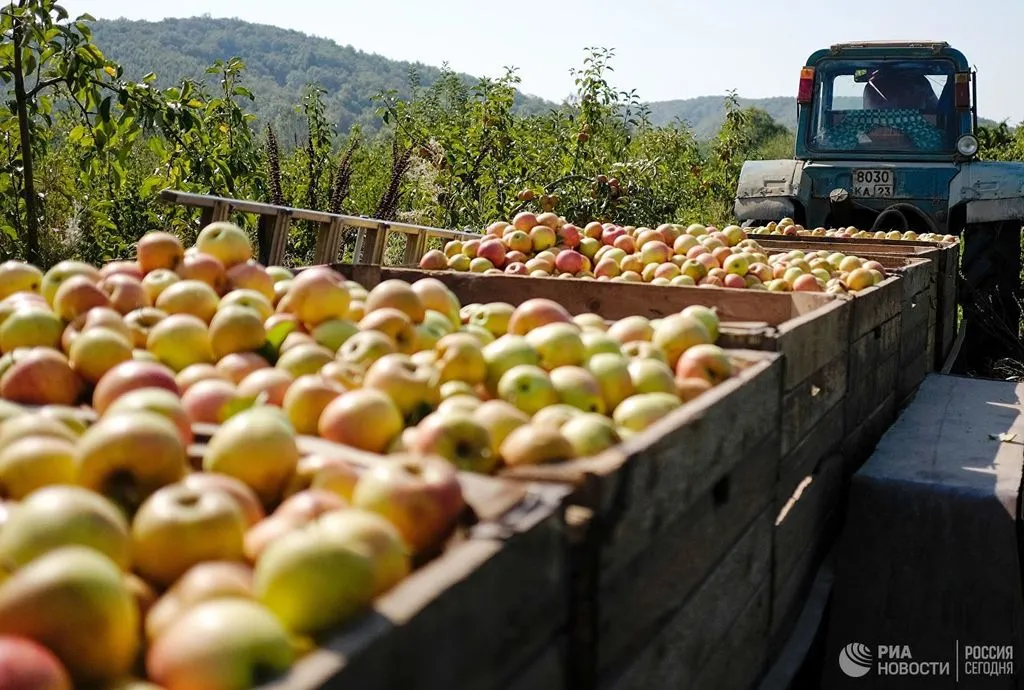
point(990, 295)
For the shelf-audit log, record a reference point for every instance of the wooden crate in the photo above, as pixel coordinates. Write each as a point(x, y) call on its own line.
point(806, 524)
point(718, 639)
point(479, 615)
point(918, 316)
point(810, 330)
point(663, 508)
point(946, 272)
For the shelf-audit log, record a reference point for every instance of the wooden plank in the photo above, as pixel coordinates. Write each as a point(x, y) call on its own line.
point(823, 440)
point(940, 495)
point(805, 527)
point(547, 671)
point(804, 406)
point(279, 238)
point(874, 366)
point(874, 306)
point(681, 555)
point(684, 649)
point(860, 442)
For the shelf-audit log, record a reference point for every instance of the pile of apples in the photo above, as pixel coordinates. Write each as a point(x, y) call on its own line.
point(132, 557)
point(696, 255)
point(787, 226)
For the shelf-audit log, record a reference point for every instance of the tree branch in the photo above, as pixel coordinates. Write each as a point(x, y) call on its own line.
point(44, 84)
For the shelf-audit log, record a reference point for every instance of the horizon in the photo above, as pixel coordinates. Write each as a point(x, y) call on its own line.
point(459, 39)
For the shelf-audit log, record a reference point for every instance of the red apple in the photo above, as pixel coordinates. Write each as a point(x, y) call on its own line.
point(27, 665)
point(419, 495)
point(205, 268)
point(129, 376)
point(493, 251)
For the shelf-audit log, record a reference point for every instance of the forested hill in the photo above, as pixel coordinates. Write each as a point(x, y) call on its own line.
point(280, 62)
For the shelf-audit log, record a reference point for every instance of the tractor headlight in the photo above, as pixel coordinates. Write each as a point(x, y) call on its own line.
point(967, 145)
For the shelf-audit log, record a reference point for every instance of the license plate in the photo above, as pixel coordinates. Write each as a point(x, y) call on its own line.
point(877, 184)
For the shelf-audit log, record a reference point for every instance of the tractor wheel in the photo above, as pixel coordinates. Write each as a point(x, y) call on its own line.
point(990, 294)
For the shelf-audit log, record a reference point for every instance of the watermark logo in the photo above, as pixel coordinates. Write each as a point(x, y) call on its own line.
point(855, 659)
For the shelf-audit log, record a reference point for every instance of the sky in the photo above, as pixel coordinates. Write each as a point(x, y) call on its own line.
point(663, 49)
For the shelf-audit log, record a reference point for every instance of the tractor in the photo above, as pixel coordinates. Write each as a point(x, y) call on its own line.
point(886, 141)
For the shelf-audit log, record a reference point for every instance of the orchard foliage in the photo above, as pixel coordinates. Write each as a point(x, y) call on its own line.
point(85, 151)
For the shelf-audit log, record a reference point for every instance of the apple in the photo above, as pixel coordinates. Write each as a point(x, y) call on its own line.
point(236, 329)
point(31, 326)
point(859, 279)
point(98, 350)
point(578, 388)
point(202, 582)
point(555, 415)
point(333, 333)
point(334, 474)
point(126, 294)
point(398, 295)
point(257, 447)
point(707, 316)
point(414, 389)
point(394, 323)
point(590, 434)
point(708, 362)
point(222, 644)
point(611, 370)
point(180, 526)
point(28, 665)
point(637, 412)
point(56, 516)
point(527, 387)
point(536, 312)
point(160, 401)
point(313, 584)
point(631, 328)
point(246, 499)
point(127, 456)
point(59, 273)
point(270, 381)
point(532, 444)
point(19, 276)
point(557, 344)
point(524, 221)
point(366, 347)
point(651, 376)
point(304, 358)
point(140, 322)
point(296, 511)
point(677, 333)
point(252, 299)
point(306, 399)
point(33, 462)
point(419, 495)
point(158, 250)
point(74, 601)
point(495, 317)
point(571, 261)
point(461, 358)
point(180, 340)
point(434, 260)
point(38, 376)
point(130, 269)
point(225, 241)
point(77, 295)
point(375, 537)
point(689, 388)
point(189, 297)
point(251, 276)
point(317, 295)
point(457, 437)
point(206, 401)
point(492, 250)
point(499, 418)
point(130, 376)
point(237, 365)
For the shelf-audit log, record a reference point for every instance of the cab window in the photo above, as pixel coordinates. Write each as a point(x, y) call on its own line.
point(884, 105)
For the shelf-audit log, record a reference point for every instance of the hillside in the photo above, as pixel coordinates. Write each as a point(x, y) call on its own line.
point(280, 62)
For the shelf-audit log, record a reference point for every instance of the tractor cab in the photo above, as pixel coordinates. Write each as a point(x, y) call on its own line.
point(886, 141)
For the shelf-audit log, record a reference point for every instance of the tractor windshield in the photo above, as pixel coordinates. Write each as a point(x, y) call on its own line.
point(898, 106)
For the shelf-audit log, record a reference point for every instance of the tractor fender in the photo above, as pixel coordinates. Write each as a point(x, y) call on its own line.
point(767, 189)
point(990, 190)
